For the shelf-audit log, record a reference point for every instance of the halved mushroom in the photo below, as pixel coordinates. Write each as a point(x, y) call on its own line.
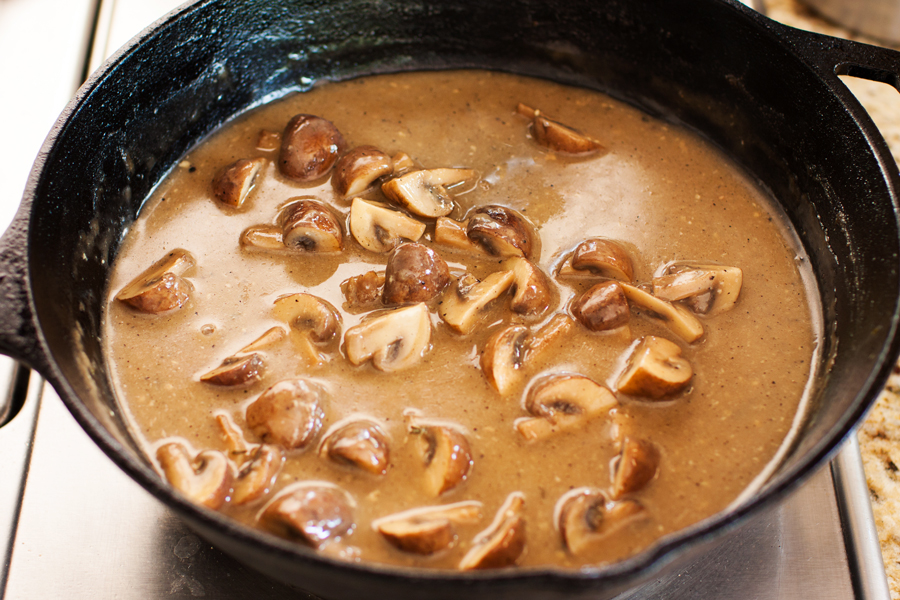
point(380, 229)
point(312, 513)
point(501, 231)
point(501, 544)
point(363, 292)
point(427, 530)
point(705, 289)
point(310, 225)
point(585, 517)
point(205, 478)
point(602, 307)
point(394, 339)
point(267, 238)
point(310, 146)
point(503, 357)
point(267, 141)
point(232, 184)
point(357, 170)
point(257, 476)
point(655, 369)
point(448, 232)
point(533, 293)
point(556, 136)
point(461, 308)
point(315, 321)
point(160, 288)
point(603, 257)
point(446, 454)
point(562, 402)
point(414, 273)
point(424, 192)
point(635, 466)
point(677, 318)
point(289, 413)
point(246, 366)
point(359, 443)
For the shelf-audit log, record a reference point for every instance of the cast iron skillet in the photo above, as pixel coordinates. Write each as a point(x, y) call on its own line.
point(766, 94)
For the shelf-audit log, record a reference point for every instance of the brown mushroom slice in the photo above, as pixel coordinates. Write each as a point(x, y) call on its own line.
point(356, 171)
point(402, 162)
point(414, 273)
point(462, 307)
point(290, 413)
point(315, 321)
point(309, 225)
point(363, 292)
point(314, 513)
point(233, 437)
point(232, 184)
point(503, 357)
point(706, 289)
point(501, 231)
point(236, 371)
point(603, 257)
point(448, 232)
point(446, 454)
point(542, 339)
point(310, 145)
point(424, 192)
point(427, 530)
point(204, 479)
point(533, 293)
point(655, 369)
point(501, 544)
point(267, 141)
point(603, 307)
point(635, 466)
point(556, 136)
point(257, 476)
point(271, 336)
point(267, 238)
point(393, 340)
point(561, 402)
point(585, 517)
point(160, 288)
point(677, 318)
point(360, 443)
point(380, 229)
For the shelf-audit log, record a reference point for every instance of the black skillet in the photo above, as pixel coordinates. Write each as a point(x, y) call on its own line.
point(768, 95)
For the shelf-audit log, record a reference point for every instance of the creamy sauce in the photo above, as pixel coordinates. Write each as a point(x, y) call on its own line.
point(659, 190)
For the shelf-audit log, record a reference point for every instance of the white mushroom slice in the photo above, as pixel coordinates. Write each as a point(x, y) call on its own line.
point(267, 238)
point(501, 544)
point(289, 413)
point(585, 517)
point(380, 229)
point(446, 454)
point(655, 369)
point(359, 443)
point(363, 292)
point(427, 530)
point(533, 294)
point(309, 225)
point(561, 403)
point(402, 162)
point(394, 340)
point(204, 479)
point(635, 466)
point(448, 232)
point(312, 513)
point(501, 231)
point(603, 257)
point(315, 321)
point(160, 288)
point(461, 307)
point(504, 356)
point(603, 307)
point(257, 475)
point(424, 193)
point(310, 146)
point(356, 171)
point(677, 318)
point(232, 184)
point(556, 136)
point(272, 335)
point(706, 289)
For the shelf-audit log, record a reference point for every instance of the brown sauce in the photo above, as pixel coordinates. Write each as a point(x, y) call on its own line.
point(660, 191)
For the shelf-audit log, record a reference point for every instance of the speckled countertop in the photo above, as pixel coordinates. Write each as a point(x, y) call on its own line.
point(879, 437)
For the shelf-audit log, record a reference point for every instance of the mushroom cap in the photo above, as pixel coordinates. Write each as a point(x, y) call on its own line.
point(533, 294)
point(160, 288)
point(310, 145)
point(236, 370)
point(313, 513)
point(289, 413)
point(310, 225)
point(205, 479)
point(586, 517)
point(257, 476)
point(232, 184)
point(635, 466)
point(358, 169)
point(502, 543)
point(429, 529)
point(380, 229)
point(503, 357)
point(394, 339)
point(563, 401)
point(603, 257)
point(602, 307)
point(501, 231)
point(655, 369)
point(265, 238)
point(360, 443)
point(447, 456)
point(414, 273)
point(314, 317)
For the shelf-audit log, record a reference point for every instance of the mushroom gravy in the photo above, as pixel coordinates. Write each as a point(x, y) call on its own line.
point(662, 195)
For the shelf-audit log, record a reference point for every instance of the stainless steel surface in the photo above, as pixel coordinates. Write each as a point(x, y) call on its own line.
point(879, 19)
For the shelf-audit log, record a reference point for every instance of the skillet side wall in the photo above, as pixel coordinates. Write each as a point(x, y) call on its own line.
point(707, 64)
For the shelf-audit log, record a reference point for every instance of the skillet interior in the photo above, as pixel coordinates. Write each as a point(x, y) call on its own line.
point(708, 64)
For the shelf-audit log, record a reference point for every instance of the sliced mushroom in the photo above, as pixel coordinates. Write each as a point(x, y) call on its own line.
point(585, 517)
point(236, 370)
point(414, 273)
point(402, 162)
point(533, 293)
point(394, 339)
point(267, 141)
point(705, 289)
point(380, 229)
point(233, 438)
point(257, 476)
point(556, 136)
point(427, 530)
point(267, 238)
point(558, 325)
point(501, 544)
point(602, 307)
point(461, 308)
point(504, 356)
point(677, 318)
point(363, 292)
point(309, 225)
point(562, 402)
point(312, 513)
point(290, 413)
point(356, 171)
point(501, 231)
point(448, 232)
point(232, 184)
point(635, 466)
point(160, 288)
point(360, 443)
point(603, 257)
point(655, 369)
point(271, 336)
point(424, 192)
point(310, 146)
point(446, 454)
point(315, 321)
point(204, 479)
